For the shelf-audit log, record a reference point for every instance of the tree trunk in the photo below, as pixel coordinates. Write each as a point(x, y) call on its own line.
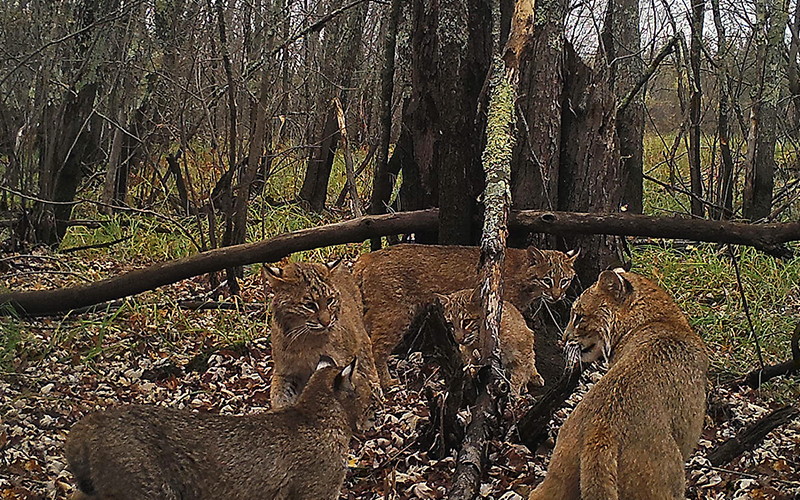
point(342, 47)
point(760, 163)
point(793, 71)
point(724, 196)
point(450, 60)
point(381, 184)
point(589, 178)
point(698, 14)
point(114, 162)
point(537, 147)
point(70, 141)
point(621, 40)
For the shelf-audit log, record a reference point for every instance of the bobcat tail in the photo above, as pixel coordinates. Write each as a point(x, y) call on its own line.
point(599, 467)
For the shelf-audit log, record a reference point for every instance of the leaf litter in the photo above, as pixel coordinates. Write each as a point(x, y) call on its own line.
point(210, 361)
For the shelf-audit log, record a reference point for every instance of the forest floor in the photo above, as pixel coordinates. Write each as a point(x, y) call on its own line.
point(54, 370)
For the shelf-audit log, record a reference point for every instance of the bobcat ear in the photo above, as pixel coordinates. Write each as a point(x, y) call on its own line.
point(332, 264)
point(272, 274)
point(535, 255)
point(573, 254)
point(444, 299)
point(615, 284)
point(324, 362)
point(344, 379)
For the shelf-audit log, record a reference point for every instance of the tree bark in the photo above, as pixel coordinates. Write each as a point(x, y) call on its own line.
point(695, 172)
point(450, 60)
point(760, 162)
point(590, 173)
point(724, 196)
point(68, 143)
point(621, 41)
point(381, 184)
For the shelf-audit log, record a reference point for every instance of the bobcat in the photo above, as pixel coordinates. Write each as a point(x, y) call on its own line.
point(630, 435)
point(463, 310)
point(397, 281)
point(317, 310)
point(156, 453)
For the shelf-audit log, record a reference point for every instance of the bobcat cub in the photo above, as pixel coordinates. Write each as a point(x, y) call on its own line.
point(397, 281)
point(156, 453)
point(463, 310)
point(630, 435)
point(316, 310)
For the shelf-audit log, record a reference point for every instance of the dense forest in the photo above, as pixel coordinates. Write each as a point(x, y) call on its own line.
point(165, 146)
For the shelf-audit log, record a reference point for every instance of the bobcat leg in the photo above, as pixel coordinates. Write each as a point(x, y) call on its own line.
point(599, 466)
point(284, 390)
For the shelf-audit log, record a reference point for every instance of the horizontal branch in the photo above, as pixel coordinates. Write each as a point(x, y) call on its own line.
point(766, 237)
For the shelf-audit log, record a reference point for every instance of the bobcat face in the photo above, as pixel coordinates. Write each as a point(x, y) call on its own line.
point(459, 311)
point(589, 334)
point(550, 274)
point(305, 300)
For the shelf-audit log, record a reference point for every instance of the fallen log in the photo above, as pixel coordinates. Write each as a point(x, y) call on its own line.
point(766, 237)
point(751, 436)
point(769, 238)
point(35, 303)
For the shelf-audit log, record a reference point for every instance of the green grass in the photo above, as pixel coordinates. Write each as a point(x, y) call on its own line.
point(702, 280)
point(700, 277)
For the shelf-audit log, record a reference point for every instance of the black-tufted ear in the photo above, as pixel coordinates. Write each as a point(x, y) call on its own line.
point(333, 264)
point(443, 299)
point(535, 255)
point(573, 254)
point(324, 362)
point(615, 284)
point(344, 379)
point(272, 274)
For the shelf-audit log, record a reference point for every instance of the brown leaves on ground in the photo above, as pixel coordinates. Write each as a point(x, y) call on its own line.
point(219, 361)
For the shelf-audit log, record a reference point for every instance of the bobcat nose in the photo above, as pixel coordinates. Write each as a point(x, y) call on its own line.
point(324, 317)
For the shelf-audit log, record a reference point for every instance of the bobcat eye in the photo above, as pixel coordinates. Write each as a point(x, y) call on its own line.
point(310, 305)
point(332, 301)
point(548, 281)
point(565, 282)
point(577, 319)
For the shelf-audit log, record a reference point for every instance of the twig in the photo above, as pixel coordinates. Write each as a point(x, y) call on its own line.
point(96, 245)
point(746, 307)
point(666, 50)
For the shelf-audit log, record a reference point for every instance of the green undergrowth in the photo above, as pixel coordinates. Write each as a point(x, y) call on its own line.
point(701, 277)
point(703, 282)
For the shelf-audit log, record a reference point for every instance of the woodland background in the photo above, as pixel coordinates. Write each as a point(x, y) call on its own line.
point(135, 132)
